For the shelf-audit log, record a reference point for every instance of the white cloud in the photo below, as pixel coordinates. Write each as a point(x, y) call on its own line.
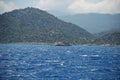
point(101, 6)
point(70, 6)
point(5, 7)
point(53, 4)
point(80, 6)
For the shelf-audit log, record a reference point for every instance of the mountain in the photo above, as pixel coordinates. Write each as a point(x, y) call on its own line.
point(94, 22)
point(114, 30)
point(34, 25)
point(108, 39)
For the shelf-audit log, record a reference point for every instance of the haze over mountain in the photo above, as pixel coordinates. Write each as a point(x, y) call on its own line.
point(110, 31)
point(94, 22)
point(34, 25)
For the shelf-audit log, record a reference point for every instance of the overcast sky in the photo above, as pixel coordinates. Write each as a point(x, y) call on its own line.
point(64, 6)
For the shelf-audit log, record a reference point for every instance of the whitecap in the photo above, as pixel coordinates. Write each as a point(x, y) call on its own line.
point(93, 69)
point(95, 55)
point(52, 60)
point(68, 51)
point(47, 69)
point(62, 63)
point(84, 55)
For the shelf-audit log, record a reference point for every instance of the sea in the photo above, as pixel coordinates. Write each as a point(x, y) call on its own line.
point(47, 62)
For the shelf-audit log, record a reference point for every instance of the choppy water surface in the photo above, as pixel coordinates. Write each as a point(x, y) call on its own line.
point(45, 62)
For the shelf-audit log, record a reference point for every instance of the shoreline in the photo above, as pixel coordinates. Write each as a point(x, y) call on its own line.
point(52, 44)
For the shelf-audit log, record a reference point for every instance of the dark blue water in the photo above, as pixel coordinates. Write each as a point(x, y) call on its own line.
point(44, 62)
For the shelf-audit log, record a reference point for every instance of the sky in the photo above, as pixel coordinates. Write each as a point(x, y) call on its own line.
point(64, 6)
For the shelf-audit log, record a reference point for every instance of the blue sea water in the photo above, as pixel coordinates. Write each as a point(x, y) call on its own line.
point(45, 62)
